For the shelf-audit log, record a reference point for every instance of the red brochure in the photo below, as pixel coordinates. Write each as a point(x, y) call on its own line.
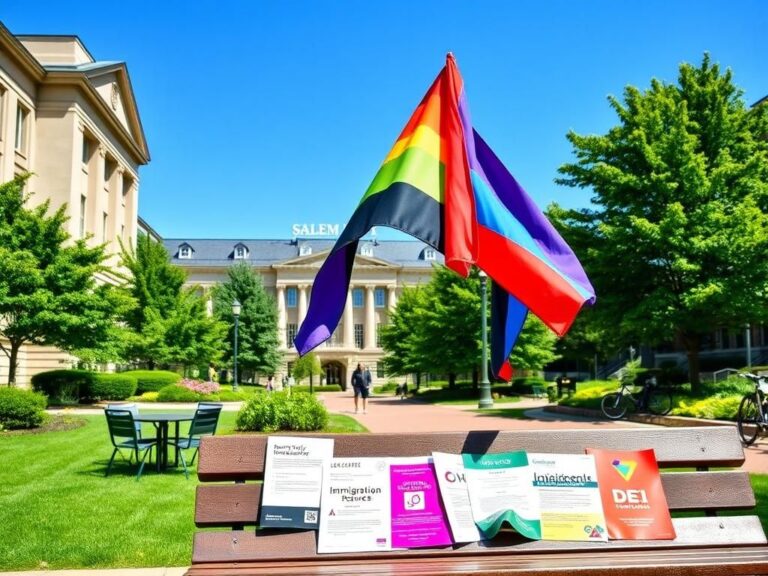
point(633, 498)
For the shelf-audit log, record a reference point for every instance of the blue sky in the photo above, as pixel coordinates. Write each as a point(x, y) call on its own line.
point(264, 114)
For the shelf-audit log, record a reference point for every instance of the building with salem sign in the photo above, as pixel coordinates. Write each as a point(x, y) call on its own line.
point(288, 268)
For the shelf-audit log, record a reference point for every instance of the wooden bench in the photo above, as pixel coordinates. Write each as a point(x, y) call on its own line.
point(712, 543)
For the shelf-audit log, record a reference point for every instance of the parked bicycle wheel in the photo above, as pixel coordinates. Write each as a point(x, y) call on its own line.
point(660, 402)
point(747, 419)
point(614, 405)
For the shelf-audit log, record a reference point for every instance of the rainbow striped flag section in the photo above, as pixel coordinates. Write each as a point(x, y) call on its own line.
point(442, 184)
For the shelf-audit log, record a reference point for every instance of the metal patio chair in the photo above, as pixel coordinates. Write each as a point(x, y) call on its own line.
point(122, 432)
point(203, 424)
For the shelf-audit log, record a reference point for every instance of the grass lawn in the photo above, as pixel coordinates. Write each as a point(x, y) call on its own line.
point(462, 395)
point(517, 413)
point(58, 511)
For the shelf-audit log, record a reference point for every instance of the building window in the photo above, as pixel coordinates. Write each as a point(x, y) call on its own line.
point(359, 334)
point(379, 298)
point(305, 250)
point(185, 251)
point(366, 250)
point(83, 201)
point(290, 333)
point(430, 254)
point(86, 149)
point(378, 335)
point(104, 227)
point(380, 372)
point(2, 111)
point(291, 297)
point(241, 252)
point(357, 297)
point(22, 116)
point(127, 183)
point(109, 169)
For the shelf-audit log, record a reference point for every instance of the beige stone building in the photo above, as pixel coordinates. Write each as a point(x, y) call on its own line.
point(73, 122)
point(288, 268)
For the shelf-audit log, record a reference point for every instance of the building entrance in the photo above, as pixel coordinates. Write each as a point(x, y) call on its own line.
point(335, 373)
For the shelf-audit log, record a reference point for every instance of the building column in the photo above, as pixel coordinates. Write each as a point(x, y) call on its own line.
point(96, 196)
point(392, 300)
point(348, 323)
point(370, 319)
point(302, 303)
point(281, 316)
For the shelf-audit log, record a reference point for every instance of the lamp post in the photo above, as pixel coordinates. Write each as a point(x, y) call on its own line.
point(236, 314)
point(486, 401)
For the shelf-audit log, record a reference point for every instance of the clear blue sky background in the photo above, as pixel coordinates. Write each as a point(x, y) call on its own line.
point(263, 114)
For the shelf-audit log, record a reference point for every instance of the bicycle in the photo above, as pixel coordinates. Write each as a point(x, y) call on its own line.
point(655, 400)
point(752, 417)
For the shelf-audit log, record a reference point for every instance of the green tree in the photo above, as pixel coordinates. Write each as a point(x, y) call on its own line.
point(48, 289)
point(306, 367)
point(398, 337)
point(257, 344)
point(535, 347)
point(170, 323)
point(677, 241)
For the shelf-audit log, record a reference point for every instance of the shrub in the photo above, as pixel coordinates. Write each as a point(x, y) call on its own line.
point(110, 387)
point(153, 380)
point(176, 393)
point(525, 385)
point(201, 387)
point(388, 388)
point(147, 397)
point(715, 408)
point(589, 397)
point(66, 386)
point(317, 388)
point(279, 411)
point(21, 408)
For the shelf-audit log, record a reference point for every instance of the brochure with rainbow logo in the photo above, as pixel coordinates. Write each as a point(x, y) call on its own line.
point(633, 497)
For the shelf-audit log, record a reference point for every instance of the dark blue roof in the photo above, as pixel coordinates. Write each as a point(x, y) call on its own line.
point(208, 252)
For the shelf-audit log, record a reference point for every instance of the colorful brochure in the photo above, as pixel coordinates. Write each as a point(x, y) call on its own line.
point(568, 497)
point(451, 478)
point(633, 496)
point(418, 519)
point(293, 475)
point(355, 507)
point(501, 490)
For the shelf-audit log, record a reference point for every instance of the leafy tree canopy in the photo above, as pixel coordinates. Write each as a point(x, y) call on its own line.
point(676, 242)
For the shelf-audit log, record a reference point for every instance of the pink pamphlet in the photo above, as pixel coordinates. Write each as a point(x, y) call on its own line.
point(418, 518)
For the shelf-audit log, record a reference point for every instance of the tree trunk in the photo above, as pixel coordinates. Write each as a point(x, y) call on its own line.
point(418, 380)
point(451, 379)
point(13, 363)
point(691, 343)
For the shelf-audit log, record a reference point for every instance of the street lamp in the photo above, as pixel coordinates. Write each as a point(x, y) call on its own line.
point(236, 314)
point(486, 401)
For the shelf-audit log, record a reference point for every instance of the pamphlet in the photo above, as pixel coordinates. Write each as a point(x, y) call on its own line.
point(293, 476)
point(501, 490)
point(355, 507)
point(568, 497)
point(452, 480)
point(418, 519)
point(633, 496)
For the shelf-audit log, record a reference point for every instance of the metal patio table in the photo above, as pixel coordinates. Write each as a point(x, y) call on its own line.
point(160, 420)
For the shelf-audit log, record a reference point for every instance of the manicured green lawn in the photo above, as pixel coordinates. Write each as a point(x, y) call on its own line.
point(58, 511)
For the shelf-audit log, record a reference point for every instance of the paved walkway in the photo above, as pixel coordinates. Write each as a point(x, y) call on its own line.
point(390, 414)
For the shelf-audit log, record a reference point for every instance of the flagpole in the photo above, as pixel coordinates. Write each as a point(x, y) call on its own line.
point(486, 401)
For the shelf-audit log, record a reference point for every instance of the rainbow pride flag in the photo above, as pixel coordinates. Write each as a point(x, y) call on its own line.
point(442, 184)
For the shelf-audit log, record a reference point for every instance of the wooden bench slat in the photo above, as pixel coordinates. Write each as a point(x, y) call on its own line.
point(228, 504)
point(252, 546)
point(712, 562)
point(242, 457)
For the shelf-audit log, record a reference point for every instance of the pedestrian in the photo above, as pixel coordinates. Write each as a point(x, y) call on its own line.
point(360, 387)
point(270, 383)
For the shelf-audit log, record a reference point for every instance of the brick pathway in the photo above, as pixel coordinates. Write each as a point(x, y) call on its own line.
point(390, 414)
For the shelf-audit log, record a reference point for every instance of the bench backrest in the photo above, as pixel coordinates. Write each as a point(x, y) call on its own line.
point(240, 459)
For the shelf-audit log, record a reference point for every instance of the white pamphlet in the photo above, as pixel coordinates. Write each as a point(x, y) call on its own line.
point(355, 507)
point(451, 477)
point(293, 476)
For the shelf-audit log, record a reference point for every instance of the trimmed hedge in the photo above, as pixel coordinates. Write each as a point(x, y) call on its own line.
point(153, 380)
point(64, 385)
point(525, 385)
point(175, 393)
point(317, 388)
point(21, 408)
point(112, 387)
point(279, 411)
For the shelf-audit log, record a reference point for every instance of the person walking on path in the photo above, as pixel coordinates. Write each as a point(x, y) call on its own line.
point(360, 387)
